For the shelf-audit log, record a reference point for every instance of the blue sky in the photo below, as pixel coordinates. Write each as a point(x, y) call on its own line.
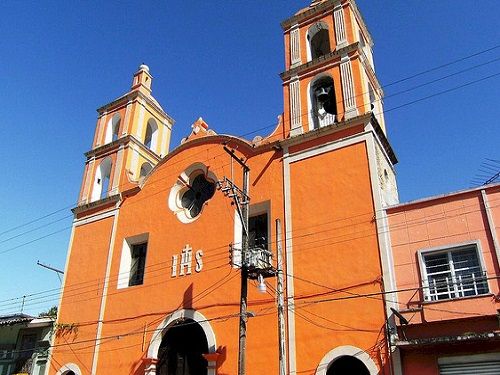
point(220, 60)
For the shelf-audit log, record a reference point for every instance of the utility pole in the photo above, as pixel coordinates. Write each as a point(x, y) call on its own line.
point(241, 200)
point(281, 300)
point(57, 271)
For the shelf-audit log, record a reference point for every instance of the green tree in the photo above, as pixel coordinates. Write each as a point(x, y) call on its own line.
point(50, 313)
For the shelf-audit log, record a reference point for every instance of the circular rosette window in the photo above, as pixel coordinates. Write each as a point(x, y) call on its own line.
point(192, 190)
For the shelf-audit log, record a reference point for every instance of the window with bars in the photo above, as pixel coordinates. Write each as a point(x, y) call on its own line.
point(453, 273)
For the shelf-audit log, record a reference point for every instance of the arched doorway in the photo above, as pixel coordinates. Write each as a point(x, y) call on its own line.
point(69, 369)
point(348, 360)
point(347, 365)
point(181, 350)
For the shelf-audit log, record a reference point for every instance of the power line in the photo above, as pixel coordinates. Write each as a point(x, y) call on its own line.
point(339, 239)
point(339, 102)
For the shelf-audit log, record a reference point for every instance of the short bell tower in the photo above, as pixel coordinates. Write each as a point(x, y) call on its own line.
point(132, 135)
point(329, 73)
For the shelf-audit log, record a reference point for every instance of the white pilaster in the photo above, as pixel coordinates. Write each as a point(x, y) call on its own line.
point(348, 88)
point(295, 46)
point(491, 224)
point(118, 172)
point(101, 128)
point(340, 33)
point(134, 162)
point(295, 110)
point(140, 122)
point(89, 180)
point(164, 138)
point(104, 296)
point(125, 127)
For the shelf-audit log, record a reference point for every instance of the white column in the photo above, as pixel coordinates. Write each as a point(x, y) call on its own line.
point(101, 128)
point(125, 126)
point(140, 122)
point(118, 172)
point(295, 46)
point(348, 88)
point(90, 180)
point(491, 224)
point(295, 110)
point(134, 162)
point(164, 138)
point(340, 34)
point(88, 176)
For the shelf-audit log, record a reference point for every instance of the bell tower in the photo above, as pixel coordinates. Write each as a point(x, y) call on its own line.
point(329, 73)
point(132, 135)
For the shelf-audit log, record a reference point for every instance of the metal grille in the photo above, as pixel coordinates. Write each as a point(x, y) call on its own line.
point(453, 274)
point(471, 368)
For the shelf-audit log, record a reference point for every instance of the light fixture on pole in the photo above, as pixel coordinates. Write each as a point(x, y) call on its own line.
point(261, 284)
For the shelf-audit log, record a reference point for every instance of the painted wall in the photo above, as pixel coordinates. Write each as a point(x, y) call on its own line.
point(468, 217)
point(444, 222)
point(322, 186)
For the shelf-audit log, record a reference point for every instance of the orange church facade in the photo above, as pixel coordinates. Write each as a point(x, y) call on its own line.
point(153, 276)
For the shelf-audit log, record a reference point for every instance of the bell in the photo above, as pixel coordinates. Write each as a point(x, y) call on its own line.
point(322, 93)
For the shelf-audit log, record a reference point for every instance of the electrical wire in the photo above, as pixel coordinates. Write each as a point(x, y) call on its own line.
point(338, 239)
point(339, 102)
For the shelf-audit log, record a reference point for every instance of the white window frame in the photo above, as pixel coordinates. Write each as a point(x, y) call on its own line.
point(126, 259)
point(254, 210)
point(448, 249)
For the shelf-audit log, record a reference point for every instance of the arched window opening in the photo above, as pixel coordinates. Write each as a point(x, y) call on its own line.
point(324, 105)
point(318, 41)
point(145, 169)
point(320, 44)
point(102, 178)
point(150, 140)
point(112, 129)
point(347, 365)
point(182, 348)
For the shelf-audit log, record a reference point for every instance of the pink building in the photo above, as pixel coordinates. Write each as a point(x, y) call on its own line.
point(446, 258)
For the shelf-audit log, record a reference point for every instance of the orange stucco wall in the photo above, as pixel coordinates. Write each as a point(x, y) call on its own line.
point(335, 255)
point(79, 308)
point(325, 205)
point(334, 247)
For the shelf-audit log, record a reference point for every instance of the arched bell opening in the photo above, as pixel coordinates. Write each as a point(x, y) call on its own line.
point(151, 137)
point(318, 41)
point(101, 188)
point(182, 348)
point(112, 129)
point(323, 102)
point(347, 365)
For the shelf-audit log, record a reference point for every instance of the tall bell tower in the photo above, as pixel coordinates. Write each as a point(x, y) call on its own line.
point(329, 73)
point(132, 135)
